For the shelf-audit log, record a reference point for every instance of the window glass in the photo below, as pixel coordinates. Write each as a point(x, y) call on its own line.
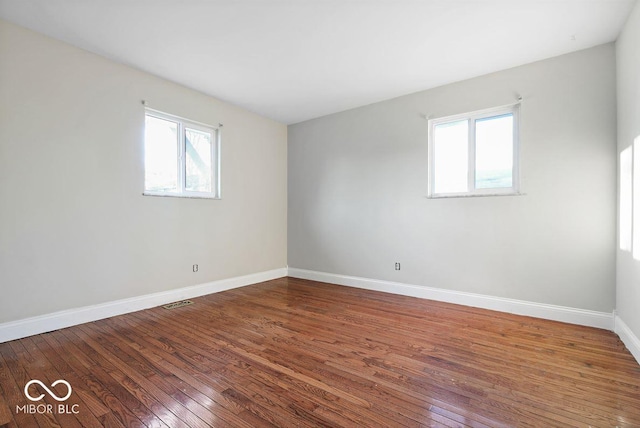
point(161, 155)
point(494, 152)
point(199, 154)
point(451, 151)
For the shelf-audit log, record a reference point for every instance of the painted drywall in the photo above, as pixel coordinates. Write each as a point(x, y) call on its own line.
point(75, 229)
point(628, 81)
point(358, 180)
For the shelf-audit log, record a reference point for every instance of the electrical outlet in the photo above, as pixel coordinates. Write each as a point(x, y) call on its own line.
point(195, 268)
point(397, 265)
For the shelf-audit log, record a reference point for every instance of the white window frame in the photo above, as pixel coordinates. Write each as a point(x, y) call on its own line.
point(182, 124)
point(471, 118)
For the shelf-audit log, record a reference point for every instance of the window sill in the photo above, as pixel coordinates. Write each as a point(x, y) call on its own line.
point(477, 195)
point(180, 195)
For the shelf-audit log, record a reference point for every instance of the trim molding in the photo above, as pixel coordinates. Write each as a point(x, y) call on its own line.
point(630, 340)
point(584, 317)
point(44, 323)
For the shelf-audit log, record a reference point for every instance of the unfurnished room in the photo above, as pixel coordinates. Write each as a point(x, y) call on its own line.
point(319, 213)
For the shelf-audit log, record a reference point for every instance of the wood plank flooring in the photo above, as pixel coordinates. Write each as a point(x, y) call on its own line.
point(292, 353)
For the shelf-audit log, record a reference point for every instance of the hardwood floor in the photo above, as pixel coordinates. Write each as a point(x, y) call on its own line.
point(293, 352)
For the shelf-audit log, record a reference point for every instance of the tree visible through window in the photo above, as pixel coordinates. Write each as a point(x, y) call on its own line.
point(181, 157)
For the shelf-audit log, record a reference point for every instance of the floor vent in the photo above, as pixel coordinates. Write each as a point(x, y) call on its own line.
point(179, 304)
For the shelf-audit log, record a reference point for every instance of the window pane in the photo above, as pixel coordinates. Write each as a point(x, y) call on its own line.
point(451, 157)
point(160, 155)
point(199, 154)
point(626, 198)
point(494, 152)
point(635, 224)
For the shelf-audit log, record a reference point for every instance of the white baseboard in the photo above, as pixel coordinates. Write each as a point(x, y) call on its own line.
point(630, 340)
point(584, 317)
point(67, 318)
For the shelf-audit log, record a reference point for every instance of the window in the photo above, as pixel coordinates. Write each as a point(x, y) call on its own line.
point(626, 198)
point(180, 157)
point(474, 154)
point(629, 209)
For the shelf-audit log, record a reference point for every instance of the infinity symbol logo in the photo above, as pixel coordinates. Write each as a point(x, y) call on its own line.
point(51, 393)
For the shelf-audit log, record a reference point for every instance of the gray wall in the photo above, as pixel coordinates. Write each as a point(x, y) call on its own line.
point(358, 180)
point(75, 229)
point(628, 70)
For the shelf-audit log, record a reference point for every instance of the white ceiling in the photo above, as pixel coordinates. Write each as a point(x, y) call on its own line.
point(293, 60)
